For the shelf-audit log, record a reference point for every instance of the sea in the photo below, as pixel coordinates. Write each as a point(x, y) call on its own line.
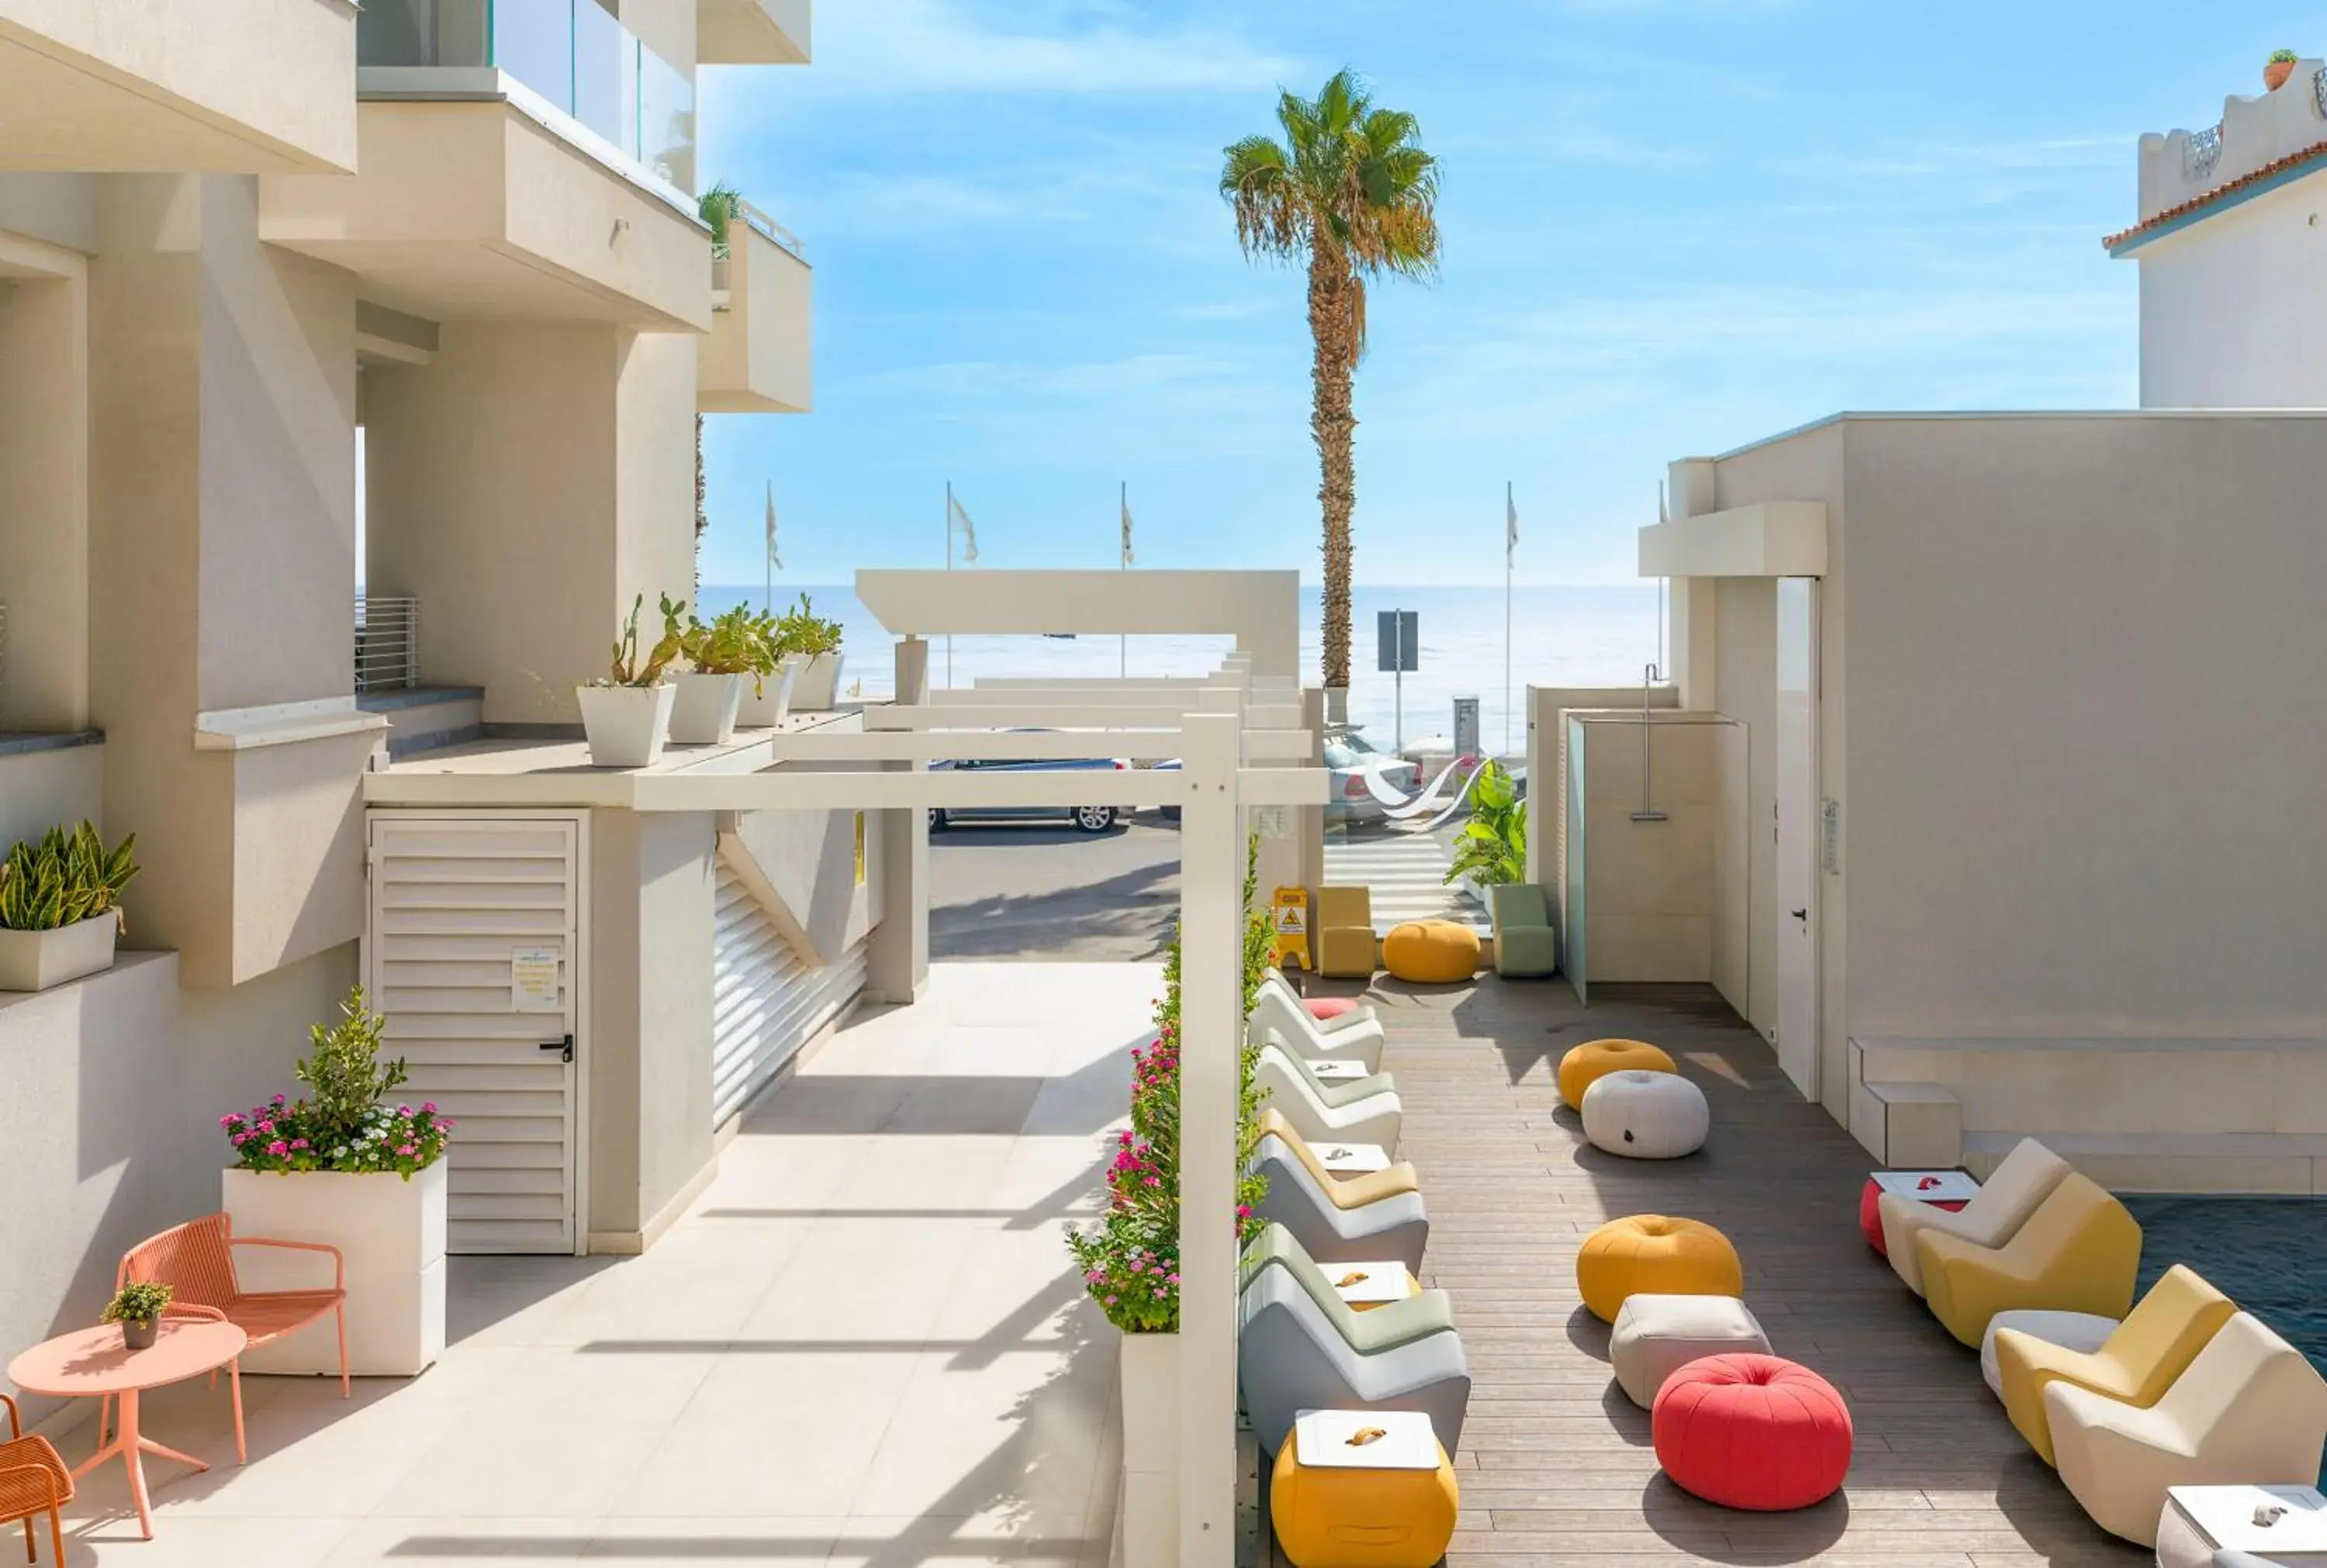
point(1560, 636)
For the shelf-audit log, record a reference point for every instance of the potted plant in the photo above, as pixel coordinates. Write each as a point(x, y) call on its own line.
point(345, 1166)
point(138, 1310)
point(2282, 65)
point(736, 646)
point(1492, 849)
point(61, 907)
point(626, 713)
point(816, 642)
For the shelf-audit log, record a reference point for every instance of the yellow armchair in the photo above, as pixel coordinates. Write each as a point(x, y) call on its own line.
point(1343, 1191)
point(2078, 1253)
point(2134, 1366)
point(1345, 933)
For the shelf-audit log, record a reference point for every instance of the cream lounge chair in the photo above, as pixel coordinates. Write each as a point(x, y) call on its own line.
point(1365, 1112)
point(1278, 1016)
point(1995, 1212)
point(1358, 1012)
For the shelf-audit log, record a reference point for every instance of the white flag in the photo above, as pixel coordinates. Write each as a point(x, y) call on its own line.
point(968, 532)
point(1126, 527)
point(1510, 526)
point(775, 561)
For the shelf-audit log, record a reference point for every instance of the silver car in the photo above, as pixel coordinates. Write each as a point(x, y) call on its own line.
point(1085, 818)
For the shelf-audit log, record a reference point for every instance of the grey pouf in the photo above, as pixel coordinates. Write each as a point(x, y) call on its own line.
point(1655, 1336)
point(1645, 1115)
point(2079, 1332)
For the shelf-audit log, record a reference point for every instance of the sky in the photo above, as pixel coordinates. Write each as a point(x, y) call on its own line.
point(1669, 228)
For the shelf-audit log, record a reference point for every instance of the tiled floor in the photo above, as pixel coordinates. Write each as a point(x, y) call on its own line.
point(1556, 1470)
point(863, 1346)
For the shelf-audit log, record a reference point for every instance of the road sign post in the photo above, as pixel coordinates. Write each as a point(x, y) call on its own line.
point(1399, 633)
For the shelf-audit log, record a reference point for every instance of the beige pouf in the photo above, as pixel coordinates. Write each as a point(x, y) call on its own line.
point(2079, 1332)
point(1656, 1335)
point(1645, 1115)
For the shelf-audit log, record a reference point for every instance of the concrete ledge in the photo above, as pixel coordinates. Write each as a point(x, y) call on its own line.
point(23, 744)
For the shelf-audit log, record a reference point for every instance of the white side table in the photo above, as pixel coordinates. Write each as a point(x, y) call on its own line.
point(2201, 1521)
point(1352, 1159)
point(1371, 1283)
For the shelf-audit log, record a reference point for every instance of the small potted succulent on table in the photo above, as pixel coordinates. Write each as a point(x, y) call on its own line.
point(61, 907)
point(814, 641)
point(2282, 65)
point(626, 713)
point(138, 1310)
point(732, 648)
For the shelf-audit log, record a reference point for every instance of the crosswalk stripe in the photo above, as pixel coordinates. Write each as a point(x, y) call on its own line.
point(1405, 872)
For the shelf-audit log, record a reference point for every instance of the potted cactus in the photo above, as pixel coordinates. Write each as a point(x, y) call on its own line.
point(815, 642)
point(733, 649)
point(138, 1310)
point(2282, 66)
point(61, 907)
point(626, 713)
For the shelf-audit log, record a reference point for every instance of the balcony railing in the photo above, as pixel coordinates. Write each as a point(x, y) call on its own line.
point(387, 642)
point(769, 229)
point(573, 54)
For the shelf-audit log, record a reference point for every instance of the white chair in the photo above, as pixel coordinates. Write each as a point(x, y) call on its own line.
point(1993, 1216)
point(1373, 1117)
point(2248, 1410)
point(1281, 1015)
point(1362, 1013)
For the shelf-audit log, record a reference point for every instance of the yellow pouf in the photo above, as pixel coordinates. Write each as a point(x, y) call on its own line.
point(1588, 1063)
point(1652, 1255)
point(1431, 952)
point(1361, 1518)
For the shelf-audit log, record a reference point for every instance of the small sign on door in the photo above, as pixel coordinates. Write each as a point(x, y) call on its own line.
point(532, 980)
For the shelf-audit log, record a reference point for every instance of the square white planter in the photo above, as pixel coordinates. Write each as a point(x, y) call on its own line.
point(392, 1232)
point(626, 726)
point(771, 705)
point(819, 685)
point(36, 960)
point(1147, 1513)
point(704, 713)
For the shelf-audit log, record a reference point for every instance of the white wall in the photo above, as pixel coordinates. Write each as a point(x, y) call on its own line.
point(43, 490)
point(2230, 312)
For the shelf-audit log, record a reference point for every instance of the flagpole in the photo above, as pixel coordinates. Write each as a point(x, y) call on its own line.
point(948, 525)
point(767, 594)
point(1510, 548)
point(1123, 559)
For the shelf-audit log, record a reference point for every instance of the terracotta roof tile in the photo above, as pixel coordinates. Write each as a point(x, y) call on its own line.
point(2310, 155)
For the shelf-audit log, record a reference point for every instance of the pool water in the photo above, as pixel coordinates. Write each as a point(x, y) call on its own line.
point(2269, 1255)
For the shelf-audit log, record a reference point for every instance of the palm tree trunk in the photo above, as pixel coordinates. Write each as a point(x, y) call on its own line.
point(1331, 422)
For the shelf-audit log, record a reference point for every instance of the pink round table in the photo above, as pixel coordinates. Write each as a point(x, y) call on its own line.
point(91, 1363)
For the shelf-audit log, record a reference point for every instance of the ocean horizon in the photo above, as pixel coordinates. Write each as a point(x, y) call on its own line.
point(1581, 635)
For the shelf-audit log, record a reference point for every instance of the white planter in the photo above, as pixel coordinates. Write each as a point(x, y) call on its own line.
point(704, 713)
point(36, 960)
point(392, 1233)
point(819, 685)
point(1147, 1513)
point(626, 725)
point(771, 705)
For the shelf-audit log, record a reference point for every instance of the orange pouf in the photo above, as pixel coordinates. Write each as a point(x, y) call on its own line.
point(1361, 1518)
point(1753, 1431)
point(1431, 952)
point(1650, 1254)
point(1590, 1063)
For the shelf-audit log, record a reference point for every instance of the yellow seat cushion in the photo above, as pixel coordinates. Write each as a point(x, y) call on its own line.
point(1343, 1191)
point(1655, 1254)
point(1588, 1063)
point(1361, 1518)
point(2134, 1366)
point(2078, 1253)
point(1431, 952)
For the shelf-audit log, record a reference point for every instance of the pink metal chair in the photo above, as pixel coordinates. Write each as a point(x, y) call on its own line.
point(32, 1482)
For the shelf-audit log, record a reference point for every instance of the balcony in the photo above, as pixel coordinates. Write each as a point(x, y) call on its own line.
point(529, 160)
point(751, 32)
point(757, 359)
point(253, 86)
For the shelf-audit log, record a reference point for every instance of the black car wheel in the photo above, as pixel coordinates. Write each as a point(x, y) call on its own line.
point(1094, 818)
point(937, 820)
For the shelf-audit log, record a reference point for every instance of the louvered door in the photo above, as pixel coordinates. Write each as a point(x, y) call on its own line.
point(473, 952)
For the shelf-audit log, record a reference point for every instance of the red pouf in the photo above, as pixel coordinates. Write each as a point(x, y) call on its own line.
point(1870, 1215)
point(1753, 1431)
point(1323, 1007)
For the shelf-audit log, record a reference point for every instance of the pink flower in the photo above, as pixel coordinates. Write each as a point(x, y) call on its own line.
point(406, 1150)
point(228, 1121)
point(275, 1101)
point(404, 1110)
point(278, 1147)
point(429, 1106)
point(240, 1139)
point(266, 1126)
point(446, 1126)
point(298, 1142)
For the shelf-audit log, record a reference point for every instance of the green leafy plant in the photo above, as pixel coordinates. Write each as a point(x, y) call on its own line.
point(2285, 57)
point(738, 642)
point(802, 630)
point(347, 1125)
point(632, 670)
point(138, 1304)
point(63, 879)
point(720, 207)
point(1492, 848)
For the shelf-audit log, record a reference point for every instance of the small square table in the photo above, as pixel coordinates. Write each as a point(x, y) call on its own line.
point(1370, 1283)
point(1927, 1186)
point(1337, 1072)
point(2223, 1519)
point(1352, 1159)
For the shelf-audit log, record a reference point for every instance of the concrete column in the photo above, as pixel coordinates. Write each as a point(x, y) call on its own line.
point(897, 954)
point(1310, 819)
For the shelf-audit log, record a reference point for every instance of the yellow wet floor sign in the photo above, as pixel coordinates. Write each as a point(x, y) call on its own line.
point(1292, 920)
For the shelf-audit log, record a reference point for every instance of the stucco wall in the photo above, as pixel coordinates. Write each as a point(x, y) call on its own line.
point(44, 789)
point(43, 490)
point(2228, 306)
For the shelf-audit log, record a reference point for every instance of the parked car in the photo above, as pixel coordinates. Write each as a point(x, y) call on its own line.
point(1085, 818)
point(1351, 758)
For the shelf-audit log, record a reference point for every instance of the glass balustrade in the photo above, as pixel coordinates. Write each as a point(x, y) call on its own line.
point(573, 54)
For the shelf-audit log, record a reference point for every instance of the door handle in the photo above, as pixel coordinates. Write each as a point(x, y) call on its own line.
point(565, 1048)
point(1801, 915)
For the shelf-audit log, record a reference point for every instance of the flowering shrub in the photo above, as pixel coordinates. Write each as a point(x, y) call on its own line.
point(1131, 1258)
point(347, 1126)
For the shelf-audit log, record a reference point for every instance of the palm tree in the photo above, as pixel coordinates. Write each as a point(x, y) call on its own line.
point(1350, 190)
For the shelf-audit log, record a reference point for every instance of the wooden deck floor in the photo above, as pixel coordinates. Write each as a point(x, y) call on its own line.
point(1556, 1466)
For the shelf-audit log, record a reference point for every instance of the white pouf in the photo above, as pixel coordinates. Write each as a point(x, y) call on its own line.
point(2079, 1332)
point(1645, 1115)
point(1656, 1335)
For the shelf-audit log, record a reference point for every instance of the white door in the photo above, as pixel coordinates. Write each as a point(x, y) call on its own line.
point(473, 951)
point(1796, 829)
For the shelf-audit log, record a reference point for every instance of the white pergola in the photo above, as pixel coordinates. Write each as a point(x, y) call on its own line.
point(1240, 748)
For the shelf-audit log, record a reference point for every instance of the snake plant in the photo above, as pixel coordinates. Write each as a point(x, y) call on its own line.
point(63, 879)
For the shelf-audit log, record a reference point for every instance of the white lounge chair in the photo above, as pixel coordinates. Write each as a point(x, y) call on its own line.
point(1360, 1012)
point(1287, 1022)
point(1372, 1115)
point(1993, 1216)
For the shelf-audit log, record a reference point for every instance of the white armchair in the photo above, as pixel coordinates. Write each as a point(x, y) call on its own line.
point(1279, 1011)
point(1993, 1216)
point(1373, 1115)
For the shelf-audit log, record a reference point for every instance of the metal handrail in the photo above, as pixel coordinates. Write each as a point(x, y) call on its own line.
point(770, 229)
point(387, 642)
